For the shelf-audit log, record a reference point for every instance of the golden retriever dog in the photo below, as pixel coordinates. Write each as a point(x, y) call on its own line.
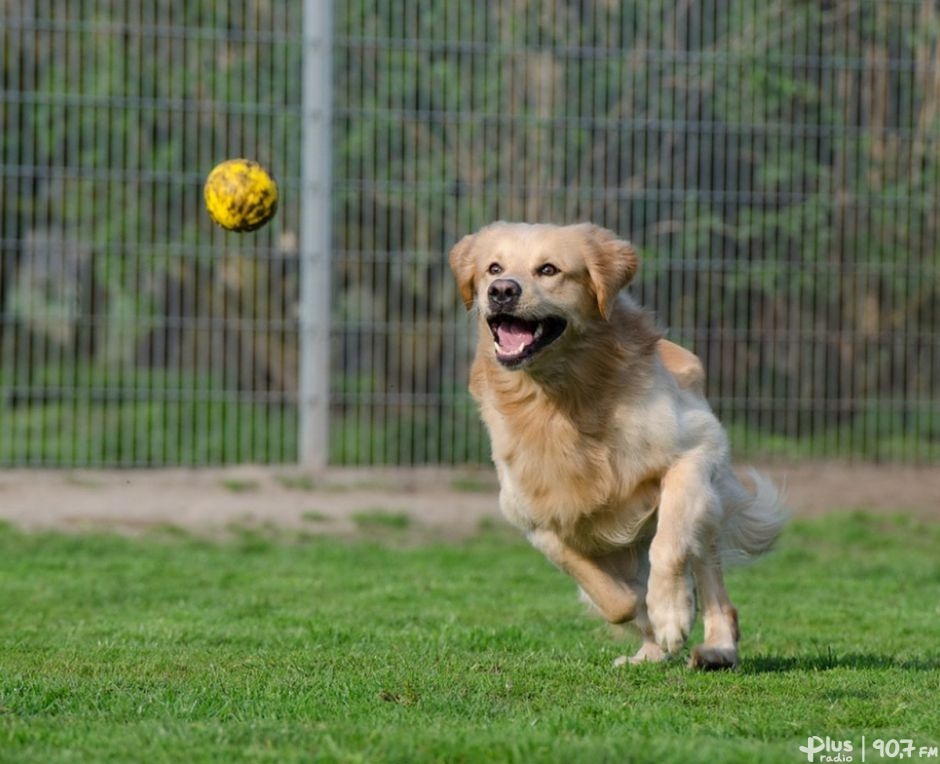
point(609, 458)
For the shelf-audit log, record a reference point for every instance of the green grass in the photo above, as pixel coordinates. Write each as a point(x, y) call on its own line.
point(315, 516)
point(280, 649)
point(379, 518)
point(484, 483)
point(147, 433)
point(877, 434)
point(142, 417)
point(297, 482)
point(238, 485)
point(86, 414)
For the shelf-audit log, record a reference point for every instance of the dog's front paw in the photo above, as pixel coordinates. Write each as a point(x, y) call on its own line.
point(671, 609)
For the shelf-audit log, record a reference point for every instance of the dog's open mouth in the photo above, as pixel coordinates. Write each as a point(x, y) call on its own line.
point(518, 339)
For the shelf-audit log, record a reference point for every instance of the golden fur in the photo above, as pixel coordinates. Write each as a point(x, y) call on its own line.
point(608, 455)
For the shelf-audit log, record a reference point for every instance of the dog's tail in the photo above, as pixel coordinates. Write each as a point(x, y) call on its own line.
point(752, 521)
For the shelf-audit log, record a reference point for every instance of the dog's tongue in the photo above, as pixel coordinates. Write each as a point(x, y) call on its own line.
point(514, 335)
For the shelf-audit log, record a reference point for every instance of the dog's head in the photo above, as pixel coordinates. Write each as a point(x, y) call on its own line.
point(534, 285)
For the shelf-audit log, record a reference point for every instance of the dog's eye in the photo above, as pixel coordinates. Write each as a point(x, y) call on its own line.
point(495, 269)
point(548, 270)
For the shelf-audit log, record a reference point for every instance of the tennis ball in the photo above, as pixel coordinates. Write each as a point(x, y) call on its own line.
point(240, 195)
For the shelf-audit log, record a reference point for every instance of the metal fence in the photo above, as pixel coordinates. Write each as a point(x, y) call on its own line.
point(134, 332)
point(776, 163)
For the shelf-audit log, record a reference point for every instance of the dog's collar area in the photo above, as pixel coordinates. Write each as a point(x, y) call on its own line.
point(519, 339)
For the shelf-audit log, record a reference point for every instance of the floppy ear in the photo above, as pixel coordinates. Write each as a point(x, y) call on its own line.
point(461, 263)
point(611, 263)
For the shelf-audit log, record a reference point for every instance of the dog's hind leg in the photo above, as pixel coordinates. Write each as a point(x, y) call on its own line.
point(683, 364)
point(720, 647)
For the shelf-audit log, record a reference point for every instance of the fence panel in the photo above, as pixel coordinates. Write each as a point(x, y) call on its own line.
point(776, 163)
point(132, 331)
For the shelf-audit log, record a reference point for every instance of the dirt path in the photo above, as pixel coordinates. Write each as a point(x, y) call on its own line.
point(438, 502)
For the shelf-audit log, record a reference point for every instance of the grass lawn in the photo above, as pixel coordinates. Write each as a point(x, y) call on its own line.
point(90, 415)
point(303, 649)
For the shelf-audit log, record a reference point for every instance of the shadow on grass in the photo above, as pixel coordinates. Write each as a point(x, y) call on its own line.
point(768, 664)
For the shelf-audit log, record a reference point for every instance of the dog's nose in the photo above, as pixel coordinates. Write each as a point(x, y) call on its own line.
point(503, 293)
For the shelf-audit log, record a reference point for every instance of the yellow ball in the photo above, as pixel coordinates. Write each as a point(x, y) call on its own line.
point(240, 195)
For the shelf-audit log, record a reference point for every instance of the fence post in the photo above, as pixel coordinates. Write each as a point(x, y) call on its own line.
point(315, 234)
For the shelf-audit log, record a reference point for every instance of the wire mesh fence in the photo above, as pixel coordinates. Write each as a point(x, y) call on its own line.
point(776, 163)
point(133, 332)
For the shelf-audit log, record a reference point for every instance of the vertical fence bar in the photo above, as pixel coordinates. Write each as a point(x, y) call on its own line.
point(315, 234)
